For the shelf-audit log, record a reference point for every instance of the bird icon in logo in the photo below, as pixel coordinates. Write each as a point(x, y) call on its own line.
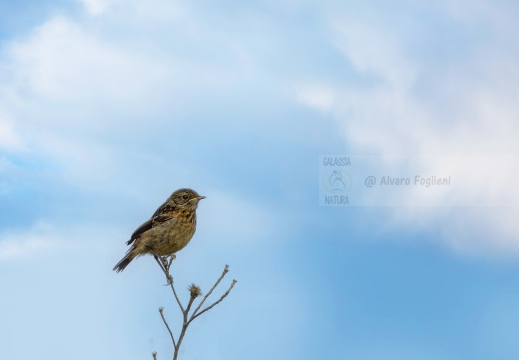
point(337, 182)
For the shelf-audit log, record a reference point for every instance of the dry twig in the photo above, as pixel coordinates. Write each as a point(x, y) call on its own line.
point(194, 293)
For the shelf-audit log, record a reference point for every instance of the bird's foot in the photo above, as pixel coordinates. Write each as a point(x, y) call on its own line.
point(164, 260)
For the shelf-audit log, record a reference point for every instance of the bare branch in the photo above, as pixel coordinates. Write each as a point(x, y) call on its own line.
point(154, 355)
point(161, 309)
point(165, 269)
point(215, 303)
point(194, 293)
point(176, 297)
point(225, 271)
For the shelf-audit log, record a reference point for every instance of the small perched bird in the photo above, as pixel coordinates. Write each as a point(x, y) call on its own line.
point(169, 229)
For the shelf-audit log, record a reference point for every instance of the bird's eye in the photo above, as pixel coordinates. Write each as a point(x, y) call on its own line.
point(185, 197)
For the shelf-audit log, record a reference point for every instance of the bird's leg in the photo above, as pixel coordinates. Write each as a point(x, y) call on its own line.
point(162, 263)
point(164, 260)
point(167, 265)
point(165, 268)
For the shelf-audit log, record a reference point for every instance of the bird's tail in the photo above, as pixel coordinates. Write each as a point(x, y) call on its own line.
point(124, 262)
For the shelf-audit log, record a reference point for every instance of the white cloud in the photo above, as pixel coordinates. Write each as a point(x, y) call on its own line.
point(64, 60)
point(134, 67)
point(44, 237)
point(23, 248)
point(319, 97)
point(468, 128)
point(375, 51)
point(9, 139)
point(66, 79)
point(95, 7)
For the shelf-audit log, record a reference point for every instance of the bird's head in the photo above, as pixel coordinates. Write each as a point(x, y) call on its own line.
point(186, 198)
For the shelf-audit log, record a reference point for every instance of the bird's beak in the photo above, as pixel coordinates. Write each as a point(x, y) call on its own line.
point(201, 197)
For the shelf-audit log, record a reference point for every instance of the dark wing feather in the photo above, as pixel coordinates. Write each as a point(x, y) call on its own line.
point(163, 209)
point(154, 221)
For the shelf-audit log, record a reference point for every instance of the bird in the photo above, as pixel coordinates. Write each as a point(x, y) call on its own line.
point(168, 231)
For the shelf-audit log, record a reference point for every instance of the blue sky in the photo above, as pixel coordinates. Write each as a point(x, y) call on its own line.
point(108, 106)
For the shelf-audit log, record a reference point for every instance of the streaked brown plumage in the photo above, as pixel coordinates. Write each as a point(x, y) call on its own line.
point(169, 229)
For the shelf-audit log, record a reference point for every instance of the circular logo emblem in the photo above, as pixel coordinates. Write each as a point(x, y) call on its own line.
point(337, 181)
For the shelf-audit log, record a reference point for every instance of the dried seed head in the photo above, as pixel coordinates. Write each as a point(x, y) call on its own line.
point(195, 291)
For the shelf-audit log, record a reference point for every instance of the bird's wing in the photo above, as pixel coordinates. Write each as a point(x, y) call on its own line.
point(164, 209)
point(154, 221)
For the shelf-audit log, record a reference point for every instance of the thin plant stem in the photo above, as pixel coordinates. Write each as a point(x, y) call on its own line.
point(193, 317)
point(195, 292)
point(161, 309)
point(225, 271)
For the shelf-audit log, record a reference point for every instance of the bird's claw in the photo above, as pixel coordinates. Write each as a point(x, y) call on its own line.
point(164, 261)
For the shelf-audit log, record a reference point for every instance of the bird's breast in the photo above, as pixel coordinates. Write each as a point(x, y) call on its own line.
point(172, 235)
